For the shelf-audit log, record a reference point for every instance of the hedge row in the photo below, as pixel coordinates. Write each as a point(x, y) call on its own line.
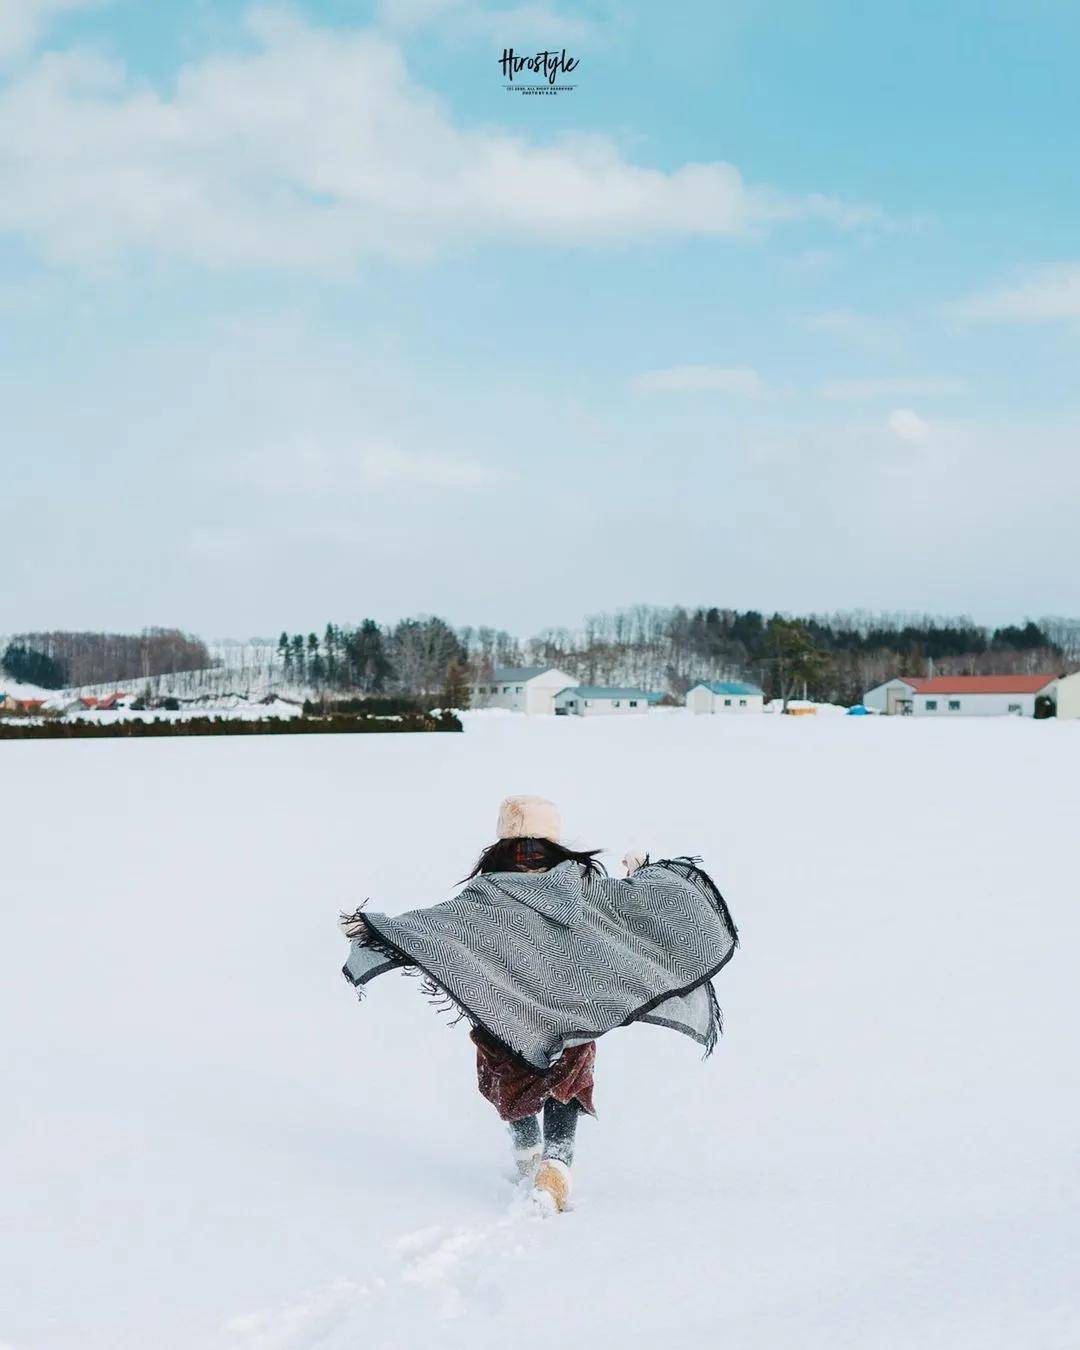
point(374, 705)
point(78, 729)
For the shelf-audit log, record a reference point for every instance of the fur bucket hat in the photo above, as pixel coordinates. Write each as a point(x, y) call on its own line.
point(529, 818)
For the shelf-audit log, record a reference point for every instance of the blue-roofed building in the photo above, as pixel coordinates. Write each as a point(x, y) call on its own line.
point(725, 696)
point(589, 700)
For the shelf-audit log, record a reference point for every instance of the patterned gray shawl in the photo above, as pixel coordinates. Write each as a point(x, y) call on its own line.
point(541, 961)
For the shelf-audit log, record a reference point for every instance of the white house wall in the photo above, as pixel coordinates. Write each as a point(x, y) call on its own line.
point(1068, 696)
point(527, 696)
point(877, 700)
point(976, 705)
point(575, 706)
point(705, 701)
point(512, 699)
point(740, 703)
point(541, 690)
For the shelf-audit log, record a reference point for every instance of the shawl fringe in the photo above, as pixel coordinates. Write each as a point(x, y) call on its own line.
point(695, 870)
point(716, 1020)
point(692, 869)
point(358, 927)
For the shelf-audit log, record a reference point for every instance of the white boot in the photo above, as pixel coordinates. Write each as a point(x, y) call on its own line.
point(527, 1160)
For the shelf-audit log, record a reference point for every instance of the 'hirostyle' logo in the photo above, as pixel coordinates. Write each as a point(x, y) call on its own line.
point(549, 66)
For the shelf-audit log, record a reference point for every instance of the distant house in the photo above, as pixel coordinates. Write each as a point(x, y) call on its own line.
point(725, 696)
point(589, 700)
point(111, 702)
point(961, 695)
point(1067, 695)
point(9, 703)
point(527, 689)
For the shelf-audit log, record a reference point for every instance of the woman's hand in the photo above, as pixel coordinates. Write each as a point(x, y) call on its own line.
point(633, 861)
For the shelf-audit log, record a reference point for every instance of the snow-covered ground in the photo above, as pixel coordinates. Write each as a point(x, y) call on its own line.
point(207, 1143)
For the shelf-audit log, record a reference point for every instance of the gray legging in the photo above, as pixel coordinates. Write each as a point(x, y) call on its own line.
point(560, 1123)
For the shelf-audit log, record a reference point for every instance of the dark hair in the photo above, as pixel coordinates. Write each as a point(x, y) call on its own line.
point(527, 855)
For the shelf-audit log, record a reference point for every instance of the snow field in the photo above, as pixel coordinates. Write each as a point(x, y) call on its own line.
point(209, 1144)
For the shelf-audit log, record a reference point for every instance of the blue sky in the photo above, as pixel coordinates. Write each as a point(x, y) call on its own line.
point(304, 316)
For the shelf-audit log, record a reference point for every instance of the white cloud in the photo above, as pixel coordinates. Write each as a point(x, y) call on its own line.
point(696, 379)
point(412, 14)
point(387, 464)
point(306, 468)
point(23, 22)
point(314, 150)
point(908, 426)
point(858, 330)
point(1047, 293)
point(812, 262)
point(510, 25)
point(926, 387)
point(772, 206)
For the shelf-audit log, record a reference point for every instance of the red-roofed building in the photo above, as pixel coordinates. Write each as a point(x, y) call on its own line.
point(963, 695)
point(111, 701)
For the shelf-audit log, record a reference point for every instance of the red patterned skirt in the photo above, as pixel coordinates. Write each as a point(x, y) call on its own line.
point(517, 1091)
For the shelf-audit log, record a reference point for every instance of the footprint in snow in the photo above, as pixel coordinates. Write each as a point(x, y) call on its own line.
point(437, 1272)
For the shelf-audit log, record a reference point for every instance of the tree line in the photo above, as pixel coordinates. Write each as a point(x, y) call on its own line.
point(833, 658)
point(61, 660)
point(414, 656)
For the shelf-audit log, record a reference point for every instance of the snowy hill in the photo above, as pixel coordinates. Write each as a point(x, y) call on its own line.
point(209, 1144)
point(243, 672)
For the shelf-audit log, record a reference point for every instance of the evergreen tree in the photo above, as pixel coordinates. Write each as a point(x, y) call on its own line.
point(314, 659)
point(27, 666)
point(1014, 638)
point(793, 658)
point(370, 665)
point(330, 647)
point(297, 647)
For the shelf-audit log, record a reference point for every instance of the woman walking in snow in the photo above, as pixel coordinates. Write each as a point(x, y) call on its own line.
point(542, 952)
